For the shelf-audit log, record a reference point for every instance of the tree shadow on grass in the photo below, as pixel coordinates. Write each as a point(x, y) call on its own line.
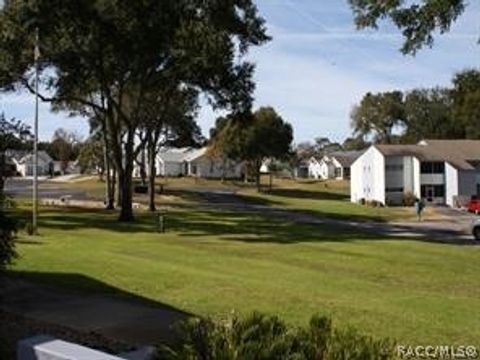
point(249, 227)
point(308, 194)
point(89, 304)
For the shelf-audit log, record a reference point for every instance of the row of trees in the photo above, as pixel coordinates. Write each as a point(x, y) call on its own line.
point(123, 64)
point(437, 113)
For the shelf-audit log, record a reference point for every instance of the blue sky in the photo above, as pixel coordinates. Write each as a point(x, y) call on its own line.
point(318, 66)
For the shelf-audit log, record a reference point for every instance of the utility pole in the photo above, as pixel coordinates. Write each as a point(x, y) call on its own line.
point(35, 139)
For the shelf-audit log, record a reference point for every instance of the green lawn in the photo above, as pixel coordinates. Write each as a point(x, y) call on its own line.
point(213, 262)
point(328, 199)
point(320, 198)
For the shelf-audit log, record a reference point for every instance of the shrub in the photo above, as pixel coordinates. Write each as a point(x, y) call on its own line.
point(260, 336)
point(29, 228)
point(409, 199)
point(362, 201)
point(7, 240)
point(374, 203)
point(141, 189)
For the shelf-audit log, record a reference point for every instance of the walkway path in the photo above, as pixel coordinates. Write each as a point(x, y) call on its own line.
point(129, 321)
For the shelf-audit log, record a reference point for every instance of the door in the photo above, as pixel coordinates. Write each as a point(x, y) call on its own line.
point(430, 193)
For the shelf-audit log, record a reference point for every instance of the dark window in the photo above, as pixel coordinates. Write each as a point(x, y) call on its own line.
point(394, 167)
point(432, 168)
point(346, 172)
point(432, 191)
point(338, 172)
point(394, 189)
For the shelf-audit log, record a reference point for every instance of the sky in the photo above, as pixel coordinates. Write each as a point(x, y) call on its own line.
point(317, 67)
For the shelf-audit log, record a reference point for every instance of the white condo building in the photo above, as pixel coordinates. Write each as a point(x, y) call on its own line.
point(438, 171)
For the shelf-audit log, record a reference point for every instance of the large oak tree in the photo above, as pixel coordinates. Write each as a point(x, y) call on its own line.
point(104, 55)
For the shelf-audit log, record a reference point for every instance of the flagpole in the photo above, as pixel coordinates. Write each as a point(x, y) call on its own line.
point(35, 141)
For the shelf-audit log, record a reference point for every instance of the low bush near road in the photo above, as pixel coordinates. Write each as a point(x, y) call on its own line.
point(7, 238)
point(260, 336)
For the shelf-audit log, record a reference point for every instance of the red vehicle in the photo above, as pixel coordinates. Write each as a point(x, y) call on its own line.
point(474, 206)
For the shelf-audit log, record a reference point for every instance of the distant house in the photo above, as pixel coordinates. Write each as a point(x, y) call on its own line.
point(193, 162)
point(200, 163)
point(335, 165)
point(70, 167)
point(438, 171)
point(171, 161)
point(23, 161)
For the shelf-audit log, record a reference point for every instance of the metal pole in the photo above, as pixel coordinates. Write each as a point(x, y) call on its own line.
point(35, 142)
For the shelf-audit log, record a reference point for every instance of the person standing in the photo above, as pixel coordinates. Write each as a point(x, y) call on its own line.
point(419, 207)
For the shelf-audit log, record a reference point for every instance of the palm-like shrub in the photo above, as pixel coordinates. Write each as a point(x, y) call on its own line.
point(261, 337)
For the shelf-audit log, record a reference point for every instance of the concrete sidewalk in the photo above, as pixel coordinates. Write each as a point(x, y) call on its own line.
point(129, 321)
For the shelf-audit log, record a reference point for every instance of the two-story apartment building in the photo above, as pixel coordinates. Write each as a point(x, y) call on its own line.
point(438, 171)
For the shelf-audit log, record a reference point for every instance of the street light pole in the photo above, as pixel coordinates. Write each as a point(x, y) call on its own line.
point(35, 140)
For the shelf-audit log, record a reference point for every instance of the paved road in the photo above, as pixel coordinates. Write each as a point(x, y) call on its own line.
point(17, 187)
point(453, 228)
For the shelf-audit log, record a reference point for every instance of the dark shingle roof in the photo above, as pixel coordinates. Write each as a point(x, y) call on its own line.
point(459, 153)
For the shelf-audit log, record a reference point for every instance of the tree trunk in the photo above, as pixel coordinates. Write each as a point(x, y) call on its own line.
point(257, 175)
point(110, 190)
point(125, 178)
point(151, 175)
point(3, 175)
point(118, 182)
point(143, 170)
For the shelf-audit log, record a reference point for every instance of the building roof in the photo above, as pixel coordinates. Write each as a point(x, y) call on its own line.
point(195, 154)
point(181, 154)
point(22, 156)
point(173, 154)
point(461, 154)
point(345, 158)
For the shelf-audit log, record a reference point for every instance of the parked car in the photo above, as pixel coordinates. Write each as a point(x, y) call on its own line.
point(474, 206)
point(476, 229)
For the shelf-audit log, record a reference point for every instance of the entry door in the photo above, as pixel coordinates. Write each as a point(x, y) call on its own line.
point(429, 192)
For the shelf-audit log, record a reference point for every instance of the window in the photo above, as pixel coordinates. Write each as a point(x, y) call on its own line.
point(394, 167)
point(394, 189)
point(433, 191)
point(432, 167)
point(346, 172)
point(338, 172)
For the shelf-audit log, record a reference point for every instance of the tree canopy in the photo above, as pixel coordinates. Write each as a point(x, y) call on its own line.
point(417, 20)
point(436, 113)
point(253, 138)
point(101, 57)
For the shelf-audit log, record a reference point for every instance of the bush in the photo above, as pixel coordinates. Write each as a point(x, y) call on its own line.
point(7, 240)
point(141, 189)
point(260, 336)
point(409, 199)
point(29, 228)
point(374, 203)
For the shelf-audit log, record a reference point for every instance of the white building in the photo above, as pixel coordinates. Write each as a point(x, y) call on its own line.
point(23, 161)
point(335, 165)
point(200, 163)
point(438, 171)
point(171, 161)
point(193, 162)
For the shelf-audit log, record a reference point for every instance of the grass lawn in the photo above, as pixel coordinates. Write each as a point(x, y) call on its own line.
point(321, 198)
point(330, 199)
point(213, 262)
